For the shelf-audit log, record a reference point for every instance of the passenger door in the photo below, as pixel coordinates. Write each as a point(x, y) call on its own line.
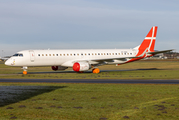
point(32, 55)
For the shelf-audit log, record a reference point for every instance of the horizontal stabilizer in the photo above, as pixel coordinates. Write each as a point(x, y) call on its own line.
point(158, 52)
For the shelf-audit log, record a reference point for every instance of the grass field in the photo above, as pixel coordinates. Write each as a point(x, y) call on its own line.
point(144, 69)
point(93, 102)
point(41, 101)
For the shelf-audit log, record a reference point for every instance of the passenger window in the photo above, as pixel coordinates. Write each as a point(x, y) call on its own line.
point(88, 53)
point(104, 54)
point(56, 54)
point(53, 54)
point(67, 54)
point(49, 54)
point(95, 53)
point(63, 54)
point(46, 55)
point(92, 54)
point(119, 53)
point(70, 54)
point(101, 53)
point(109, 53)
point(85, 53)
point(78, 54)
point(113, 54)
point(60, 54)
point(38, 54)
point(98, 53)
point(42, 54)
point(116, 53)
point(74, 54)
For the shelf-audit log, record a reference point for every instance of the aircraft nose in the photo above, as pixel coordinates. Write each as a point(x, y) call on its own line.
point(8, 62)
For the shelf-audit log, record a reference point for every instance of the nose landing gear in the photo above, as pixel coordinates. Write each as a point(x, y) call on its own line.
point(25, 70)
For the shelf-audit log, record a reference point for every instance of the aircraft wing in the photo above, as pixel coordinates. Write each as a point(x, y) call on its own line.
point(125, 58)
point(158, 52)
point(101, 61)
point(121, 58)
point(111, 59)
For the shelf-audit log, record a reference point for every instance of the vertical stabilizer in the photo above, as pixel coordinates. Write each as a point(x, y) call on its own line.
point(149, 42)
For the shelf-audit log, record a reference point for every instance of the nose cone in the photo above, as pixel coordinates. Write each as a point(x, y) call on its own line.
point(8, 62)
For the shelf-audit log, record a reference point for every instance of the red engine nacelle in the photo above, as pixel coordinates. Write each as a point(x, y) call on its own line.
point(81, 66)
point(58, 68)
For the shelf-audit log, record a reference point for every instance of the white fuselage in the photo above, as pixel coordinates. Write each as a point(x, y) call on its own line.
point(67, 58)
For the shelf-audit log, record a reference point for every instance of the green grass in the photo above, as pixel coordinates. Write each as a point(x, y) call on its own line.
point(145, 69)
point(94, 102)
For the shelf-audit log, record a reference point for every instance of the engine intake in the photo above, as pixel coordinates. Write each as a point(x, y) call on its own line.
point(81, 66)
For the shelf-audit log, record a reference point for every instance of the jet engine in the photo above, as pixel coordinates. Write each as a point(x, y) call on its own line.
point(81, 66)
point(55, 68)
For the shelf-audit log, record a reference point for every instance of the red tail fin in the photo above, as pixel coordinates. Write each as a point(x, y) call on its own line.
point(149, 41)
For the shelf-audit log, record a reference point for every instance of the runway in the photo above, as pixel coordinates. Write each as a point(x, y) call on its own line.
point(119, 81)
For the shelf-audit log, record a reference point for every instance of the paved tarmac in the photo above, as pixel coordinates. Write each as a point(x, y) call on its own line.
point(92, 81)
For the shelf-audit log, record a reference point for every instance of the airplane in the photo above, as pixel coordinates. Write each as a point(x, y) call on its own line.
point(85, 59)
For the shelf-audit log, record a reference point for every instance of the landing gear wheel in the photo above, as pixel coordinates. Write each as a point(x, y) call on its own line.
point(96, 70)
point(25, 72)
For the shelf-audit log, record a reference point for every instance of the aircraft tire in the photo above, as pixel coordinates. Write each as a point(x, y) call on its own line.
point(96, 71)
point(25, 72)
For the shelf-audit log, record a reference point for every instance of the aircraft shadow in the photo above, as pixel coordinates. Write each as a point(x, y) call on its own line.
point(14, 94)
point(53, 72)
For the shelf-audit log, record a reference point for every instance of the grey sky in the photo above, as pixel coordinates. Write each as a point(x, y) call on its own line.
point(65, 24)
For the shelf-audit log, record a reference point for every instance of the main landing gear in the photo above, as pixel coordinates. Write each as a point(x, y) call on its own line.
point(96, 70)
point(25, 70)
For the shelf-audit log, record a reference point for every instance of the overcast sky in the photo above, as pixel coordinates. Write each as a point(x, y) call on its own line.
point(91, 24)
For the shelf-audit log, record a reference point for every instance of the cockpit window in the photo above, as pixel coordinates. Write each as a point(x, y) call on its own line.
point(21, 55)
point(18, 54)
